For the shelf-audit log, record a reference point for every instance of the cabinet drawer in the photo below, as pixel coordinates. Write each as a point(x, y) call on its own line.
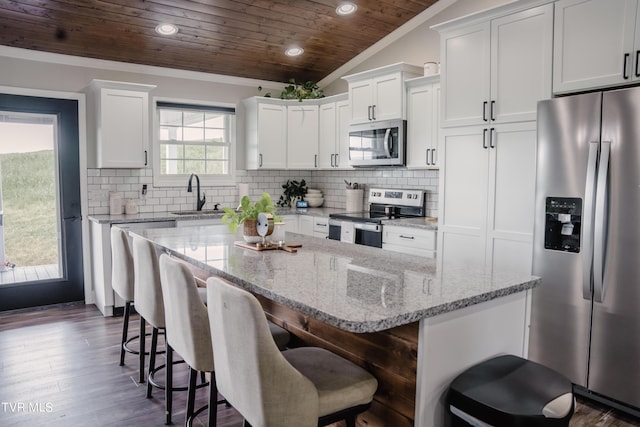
point(321, 225)
point(409, 240)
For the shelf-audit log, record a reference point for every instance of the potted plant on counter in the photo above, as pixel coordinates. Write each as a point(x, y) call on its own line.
point(292, 191)
point(247, 215)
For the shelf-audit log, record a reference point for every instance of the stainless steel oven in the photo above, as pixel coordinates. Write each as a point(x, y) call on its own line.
point(378, 143)
point(365, 228)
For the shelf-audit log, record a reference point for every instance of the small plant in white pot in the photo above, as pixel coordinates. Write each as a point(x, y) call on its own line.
point(247, 215)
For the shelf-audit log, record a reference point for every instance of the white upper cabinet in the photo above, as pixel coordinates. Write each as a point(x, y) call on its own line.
point(379, 94)
point(496, 70)
point(423, 121)
point(596, 44)
point(122, 124)
point(302, 136)
point(265, 133)
point(333, 148)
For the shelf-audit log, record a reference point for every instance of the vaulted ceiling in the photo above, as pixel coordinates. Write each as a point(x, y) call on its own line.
point(245, 38)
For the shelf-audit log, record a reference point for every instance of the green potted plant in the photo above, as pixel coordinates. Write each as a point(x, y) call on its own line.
point(299, 91)
point(292, 190)
point(247, 215)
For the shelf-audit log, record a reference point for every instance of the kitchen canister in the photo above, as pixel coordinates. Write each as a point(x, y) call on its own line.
point(130, 207)
point(431, 68)
point(115, 203)
point(355, 200)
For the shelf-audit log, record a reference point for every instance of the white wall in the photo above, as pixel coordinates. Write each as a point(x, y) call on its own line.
point(417, 47)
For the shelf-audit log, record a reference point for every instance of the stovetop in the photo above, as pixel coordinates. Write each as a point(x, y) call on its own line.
point(398, 204)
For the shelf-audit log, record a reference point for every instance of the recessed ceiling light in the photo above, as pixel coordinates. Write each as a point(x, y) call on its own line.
point(166, 29)
point(346, 8)
point(294, 51)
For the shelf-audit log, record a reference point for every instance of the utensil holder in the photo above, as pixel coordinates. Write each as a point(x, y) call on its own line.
point(355, 200)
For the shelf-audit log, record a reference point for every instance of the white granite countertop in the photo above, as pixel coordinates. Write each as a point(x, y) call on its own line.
point(355, 288)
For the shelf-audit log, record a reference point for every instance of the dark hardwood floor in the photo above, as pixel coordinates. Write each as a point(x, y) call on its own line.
point(59, 367)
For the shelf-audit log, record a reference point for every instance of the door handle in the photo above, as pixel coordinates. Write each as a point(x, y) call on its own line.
point(493, 104)
point(315, 160)
point(588, 218)
point(332, 161)
point(600, 222)
point(624, 66)
point(337, 162)
point(484, 138)
point(492, 133)
point(373, 112)
point(369, 112)
point(426, 160)
point(260, 160)
point(484, 111)
point(433, 156)
point(637, 58)
point(145, 157)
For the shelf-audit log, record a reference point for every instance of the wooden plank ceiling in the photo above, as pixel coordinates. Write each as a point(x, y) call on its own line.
point(245, 38)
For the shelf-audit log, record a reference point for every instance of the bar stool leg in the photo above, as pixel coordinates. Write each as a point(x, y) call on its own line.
point(168, 384)
point(152, 359)
point(142, 349)
point(125, 329)
point(213, 401)
point(191, 393)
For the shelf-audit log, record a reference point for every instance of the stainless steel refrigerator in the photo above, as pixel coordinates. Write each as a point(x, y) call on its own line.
point(586, 313)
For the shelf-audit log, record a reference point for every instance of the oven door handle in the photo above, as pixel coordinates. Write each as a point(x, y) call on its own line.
point(368, 226)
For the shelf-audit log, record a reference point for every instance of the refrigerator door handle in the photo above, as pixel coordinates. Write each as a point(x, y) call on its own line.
point(600, 222)
point(587, 228)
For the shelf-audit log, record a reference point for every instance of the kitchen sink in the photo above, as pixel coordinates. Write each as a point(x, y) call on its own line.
point(202, 212)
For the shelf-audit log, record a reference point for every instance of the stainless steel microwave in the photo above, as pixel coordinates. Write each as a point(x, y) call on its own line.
point(378, 143)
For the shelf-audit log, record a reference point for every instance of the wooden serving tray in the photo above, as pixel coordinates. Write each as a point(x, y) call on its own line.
point(288, 247)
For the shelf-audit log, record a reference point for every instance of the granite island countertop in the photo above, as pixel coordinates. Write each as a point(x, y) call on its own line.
point(353, 287)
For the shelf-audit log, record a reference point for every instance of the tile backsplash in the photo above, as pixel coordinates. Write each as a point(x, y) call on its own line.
point(128, 182)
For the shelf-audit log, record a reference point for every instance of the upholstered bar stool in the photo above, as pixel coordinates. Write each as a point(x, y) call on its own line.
point(510, 391)
point(122, 281)
point(301, 387)
point(187, 333)
point(149, 302)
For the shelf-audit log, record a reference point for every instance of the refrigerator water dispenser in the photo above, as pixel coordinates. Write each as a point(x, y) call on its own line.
point(562, 224)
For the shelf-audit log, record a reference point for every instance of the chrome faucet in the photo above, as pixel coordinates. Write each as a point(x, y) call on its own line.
point(200, 202)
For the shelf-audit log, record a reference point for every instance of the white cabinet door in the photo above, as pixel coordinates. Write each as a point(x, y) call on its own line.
point(305, 225)
point(463, 195)
point(594, 44)
point(521, 53)
point(327, 136)
point(387, 97)
point(487, 196)
point(497, 71)
point(122, 128)
point(343, 119)
point(302, 137)
point(511, 197)
point(271, 136)
point(423, 124)
point(465, 75)
point(361, 98)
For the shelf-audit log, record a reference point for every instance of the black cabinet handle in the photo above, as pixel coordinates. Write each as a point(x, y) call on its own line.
point(624, 67)
point(426, 157)
point(369, 112)
point(315, 160)
point(337, 163)
point(491, 138)
point(373, 112)
point(260, 160)
point(484, 138)
point(637, 58)
point(145, 157)
point(493, 103)
point(484, 111)
point(332, 162)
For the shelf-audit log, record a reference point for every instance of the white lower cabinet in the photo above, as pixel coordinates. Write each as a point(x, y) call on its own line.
point(487, 193)
point(317, 226)
point(409, 240)
point(100, 235)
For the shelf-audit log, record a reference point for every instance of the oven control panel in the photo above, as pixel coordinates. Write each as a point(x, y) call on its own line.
point(397, 197)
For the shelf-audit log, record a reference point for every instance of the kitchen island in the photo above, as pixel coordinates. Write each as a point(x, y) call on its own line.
point(413, 322)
